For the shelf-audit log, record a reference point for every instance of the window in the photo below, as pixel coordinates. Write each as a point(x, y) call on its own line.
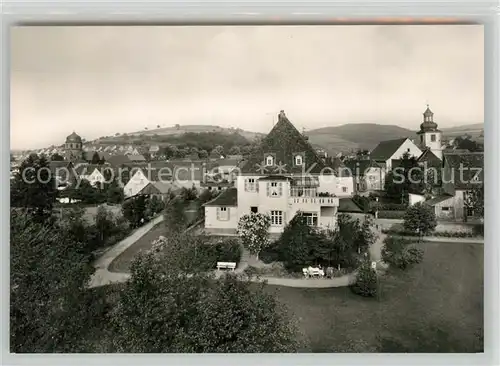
point(445, 209)
point(222, 213)
point(311, 218)
point(421, 138)
point(276, 218)
point(254, 209)
point(274, 189)
point(250, 185)
point(433, 138)
point(269, 161)
point(298, 160)
point(344, 189)
point(408, 150)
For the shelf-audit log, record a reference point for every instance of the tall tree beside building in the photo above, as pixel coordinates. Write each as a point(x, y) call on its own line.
point(406, 178)
point(33, 187)
point(48, 273)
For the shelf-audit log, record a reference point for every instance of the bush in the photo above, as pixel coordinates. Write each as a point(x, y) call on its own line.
point(401, 253)
point(478, 229)
point(389, 206)
point(391, 214)
point(208, 254)
point(366, 281)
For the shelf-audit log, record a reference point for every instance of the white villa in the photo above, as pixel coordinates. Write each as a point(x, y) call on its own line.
point(283, 177)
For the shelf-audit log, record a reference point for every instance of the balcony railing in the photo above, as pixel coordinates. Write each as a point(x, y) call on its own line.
point(321, 201)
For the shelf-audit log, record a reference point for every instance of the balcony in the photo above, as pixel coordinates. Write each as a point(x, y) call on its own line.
point(314, 201)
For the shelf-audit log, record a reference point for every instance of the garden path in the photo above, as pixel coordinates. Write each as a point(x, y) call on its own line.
point(102, 276)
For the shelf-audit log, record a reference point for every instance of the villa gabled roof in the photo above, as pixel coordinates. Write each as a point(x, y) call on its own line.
point(283, 143)
point(386, 149)
point(228, 197)
point(347, 205)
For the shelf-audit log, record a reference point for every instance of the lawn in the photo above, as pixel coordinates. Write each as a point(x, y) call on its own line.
point(123, 261)
point(435, 307)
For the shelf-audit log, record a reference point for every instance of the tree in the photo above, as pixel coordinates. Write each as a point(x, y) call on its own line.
point(154, 206)
point(401, 252)
point(49, 273)
point(113, 192)
point(420, 218)
point(189, 194)
point(203, 154)
point(253, 230)
point(134, 210)
point(474, 200)
point(365, 235)
point(163, 310)
point(235, 150)
point(219, 150)
point(86, 193)
point(95, 158)
point(404, 179)
point(33, 188)
point(174, 215)
point(366, 281)
point(204, 197)
point(297, 245)
point(56, 157)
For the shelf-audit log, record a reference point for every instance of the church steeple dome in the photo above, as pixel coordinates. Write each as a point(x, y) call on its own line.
point(428, 125)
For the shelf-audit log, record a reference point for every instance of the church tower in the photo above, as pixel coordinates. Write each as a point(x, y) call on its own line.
point(430, 136)
point(73, 148)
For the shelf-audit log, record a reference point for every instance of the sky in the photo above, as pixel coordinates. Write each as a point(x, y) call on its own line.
point(99, 80)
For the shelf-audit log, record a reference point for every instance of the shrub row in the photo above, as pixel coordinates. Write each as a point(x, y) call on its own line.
point(389, 206)
point(391, 214)
point(446, 234)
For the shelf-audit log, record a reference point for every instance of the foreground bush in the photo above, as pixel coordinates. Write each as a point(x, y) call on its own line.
point(366, 281)
point(401, 253)
point(163, 310)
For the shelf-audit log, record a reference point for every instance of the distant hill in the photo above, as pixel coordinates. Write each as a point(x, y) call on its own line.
point(473, 129)
point(181, 129)
point(356, 136)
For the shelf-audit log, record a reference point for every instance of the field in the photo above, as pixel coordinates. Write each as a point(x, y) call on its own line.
point(435, 307)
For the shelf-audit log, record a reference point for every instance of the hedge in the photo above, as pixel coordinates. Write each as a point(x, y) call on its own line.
point(389, 206)
point(391, 214)
point(446, 234)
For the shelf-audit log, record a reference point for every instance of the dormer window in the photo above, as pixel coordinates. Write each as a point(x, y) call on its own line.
point(298, 160)
point(269, 161)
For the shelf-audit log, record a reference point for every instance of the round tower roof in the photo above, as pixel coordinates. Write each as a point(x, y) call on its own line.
point(74, 138)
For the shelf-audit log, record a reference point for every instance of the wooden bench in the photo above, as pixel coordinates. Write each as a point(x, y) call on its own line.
point(226, 265)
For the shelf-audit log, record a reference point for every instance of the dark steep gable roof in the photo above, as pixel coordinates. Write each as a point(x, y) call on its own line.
point(283, 142)
point(386, 149)
point(228, 197)
point(347, 205)
point(463, 168)
point(430, 158)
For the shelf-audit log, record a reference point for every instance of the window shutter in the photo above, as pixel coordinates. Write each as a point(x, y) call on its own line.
point(228, 215)
point(280, 188)
point(218, 213)
point(256, 185)
point(284, 218)
point(268, 185)
point(246, 185)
